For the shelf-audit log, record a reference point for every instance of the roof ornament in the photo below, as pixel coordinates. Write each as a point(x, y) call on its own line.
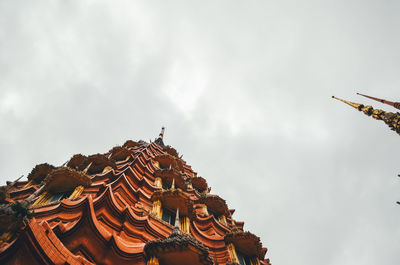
point(177, 219)
point(384, 101)
point(34, 195)
point(159, 140)
point(12, 184)
point(391, 119)
point(161, 136)
point(234, 227)
point(5, 190)
point(173, 184)
point(179, 242)
point(354, 105)
point(87, 168)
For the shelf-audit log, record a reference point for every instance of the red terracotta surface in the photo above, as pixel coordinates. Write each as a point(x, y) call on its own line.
point(111, 221)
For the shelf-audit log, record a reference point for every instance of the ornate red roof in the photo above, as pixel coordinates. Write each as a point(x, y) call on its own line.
point(108, 208)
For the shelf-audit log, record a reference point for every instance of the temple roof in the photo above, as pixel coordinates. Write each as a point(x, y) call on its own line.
point(76, 161)
point(168, 161)
point(109, 216)
point(179, 248)
point(215, 204)
point(170, 175)
point(39, 172)
point(175, 199)
point(97, 163)
point(119, 153)
point(131, 144)
point(65, 179)
point(246, 243)
point(199, 183)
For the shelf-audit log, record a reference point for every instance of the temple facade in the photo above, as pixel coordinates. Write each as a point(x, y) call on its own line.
point(139, 203)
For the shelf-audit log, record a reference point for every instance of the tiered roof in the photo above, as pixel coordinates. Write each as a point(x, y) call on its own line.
point(109, 208)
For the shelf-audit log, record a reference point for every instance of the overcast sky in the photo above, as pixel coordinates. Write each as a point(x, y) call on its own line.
point(244, 89)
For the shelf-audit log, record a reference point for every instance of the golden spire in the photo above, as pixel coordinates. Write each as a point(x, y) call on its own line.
point(391, 119)
point(384, 101)
point(354, 105)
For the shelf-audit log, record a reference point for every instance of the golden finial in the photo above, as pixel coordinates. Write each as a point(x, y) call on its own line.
point(391, 119)
point(384, 101)
point(354, 105)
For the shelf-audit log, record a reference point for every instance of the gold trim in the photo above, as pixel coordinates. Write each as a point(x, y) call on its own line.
point(232, 253)
point(222, 219)
point(27, 185)
point(204, 209)
point(106, 169)
point(75, 194)
point(5, 237)
point(43, 199)
point(255, 261)
point(184, 224)
point(158, 182)
point(157, 209)
point(152, 261)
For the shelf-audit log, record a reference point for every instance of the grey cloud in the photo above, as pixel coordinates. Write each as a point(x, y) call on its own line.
point(244, 91)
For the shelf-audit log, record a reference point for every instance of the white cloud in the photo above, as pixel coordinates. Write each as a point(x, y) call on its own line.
point(186, 83)
point(11, 101)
